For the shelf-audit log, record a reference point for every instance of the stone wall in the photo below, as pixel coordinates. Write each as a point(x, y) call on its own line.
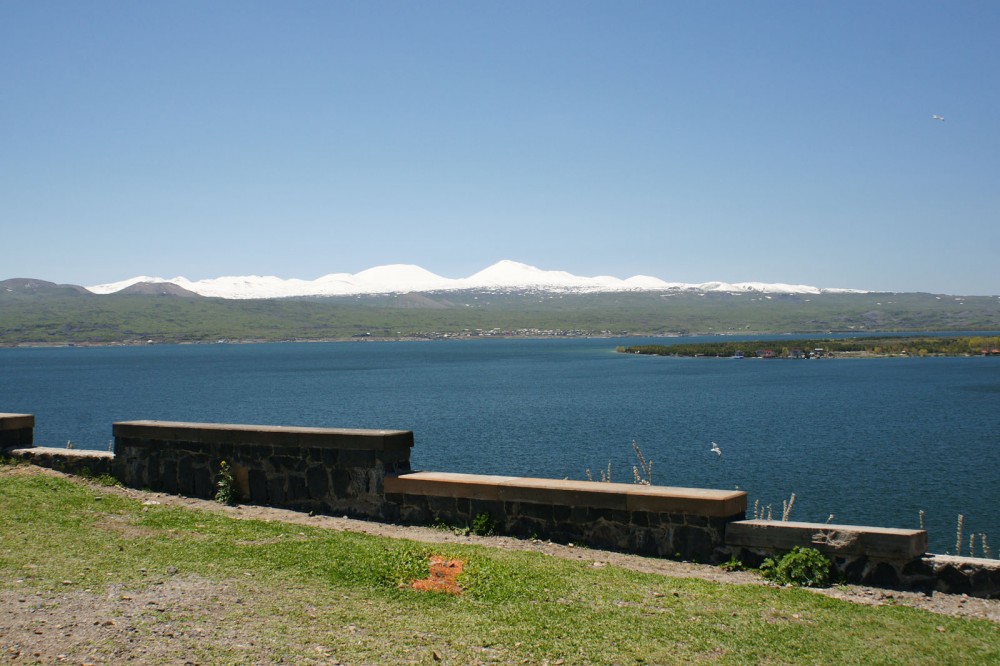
point(861, 554)
point(325, 470)
point(687, 523)
point(366, 473)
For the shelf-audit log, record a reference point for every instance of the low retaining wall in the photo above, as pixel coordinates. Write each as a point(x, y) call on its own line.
point(323, 470)
point(878, 556)
point(366, 473)
point(668, 522)
point(83, 462)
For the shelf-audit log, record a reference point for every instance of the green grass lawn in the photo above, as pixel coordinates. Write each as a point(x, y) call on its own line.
point(245, 591)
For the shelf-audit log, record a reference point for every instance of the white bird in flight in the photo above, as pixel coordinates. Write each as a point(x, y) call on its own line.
point(937, 117)
point(715, 449)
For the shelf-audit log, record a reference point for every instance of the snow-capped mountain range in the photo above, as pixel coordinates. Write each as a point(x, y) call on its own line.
point(405, 278)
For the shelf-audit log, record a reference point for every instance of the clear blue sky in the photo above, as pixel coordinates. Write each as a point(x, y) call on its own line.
point(691, 141)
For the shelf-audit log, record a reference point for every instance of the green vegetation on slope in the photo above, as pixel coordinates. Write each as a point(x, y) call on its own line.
point(267, 592)
point(55, 317)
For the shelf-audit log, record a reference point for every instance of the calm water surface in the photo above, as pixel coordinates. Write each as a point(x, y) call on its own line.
point(870, 441)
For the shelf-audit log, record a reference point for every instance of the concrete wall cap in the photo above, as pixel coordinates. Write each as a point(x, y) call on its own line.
point(619, 496)
point(345, 438)
point(57, 451)
point(16, 421)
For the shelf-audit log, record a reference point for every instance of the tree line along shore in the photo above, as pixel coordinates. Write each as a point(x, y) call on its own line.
point(829, 348)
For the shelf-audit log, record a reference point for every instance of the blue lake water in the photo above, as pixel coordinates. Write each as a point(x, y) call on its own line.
point(872, 441)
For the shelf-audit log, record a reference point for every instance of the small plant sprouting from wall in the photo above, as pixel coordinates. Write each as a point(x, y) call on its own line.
point(226, 485)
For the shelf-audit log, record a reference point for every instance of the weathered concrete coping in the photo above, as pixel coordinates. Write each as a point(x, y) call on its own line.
point(883, 543)
point(40, 451)
point(616, 496)
point(212, 433)
point(16, 421)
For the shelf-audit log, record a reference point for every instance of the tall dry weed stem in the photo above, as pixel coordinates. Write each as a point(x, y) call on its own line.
point(786, 511)
point(646, 478)
point(958, 534)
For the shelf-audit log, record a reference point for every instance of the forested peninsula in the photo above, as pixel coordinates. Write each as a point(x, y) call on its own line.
point(827, 348)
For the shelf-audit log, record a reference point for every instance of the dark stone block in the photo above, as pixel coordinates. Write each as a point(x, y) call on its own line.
point(415, 513)
point(918, 567)
point(295, 490)
point(855, 569)
point(541, 512)
point(276, 490)
point(693, 543)
point(695, 521)
point(344, 483)
point(561, 513)
point(185, 475)
point(168, 476)
point(203, 485)
point(329, 457)
point(643, 542)
point(619, 517)
point(639, 519)
point(494, 508)
point(285, 463)
point(258, 486)
point(389, 512)
point(445, 507)
point(318, 481)
point(608, 534)
point(953, 580)
point(525, 526)
point(883, 574)
point(750, 558)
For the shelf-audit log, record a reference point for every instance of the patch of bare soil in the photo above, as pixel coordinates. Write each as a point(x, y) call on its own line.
point(443, 576)
point(180, 615)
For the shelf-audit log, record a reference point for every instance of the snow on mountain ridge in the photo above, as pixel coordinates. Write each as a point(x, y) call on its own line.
point(403, 278)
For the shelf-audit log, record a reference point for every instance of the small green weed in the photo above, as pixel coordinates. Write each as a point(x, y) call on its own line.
point(483, 525)
point(733, 564)
point(226, 484)
point(804, 567)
